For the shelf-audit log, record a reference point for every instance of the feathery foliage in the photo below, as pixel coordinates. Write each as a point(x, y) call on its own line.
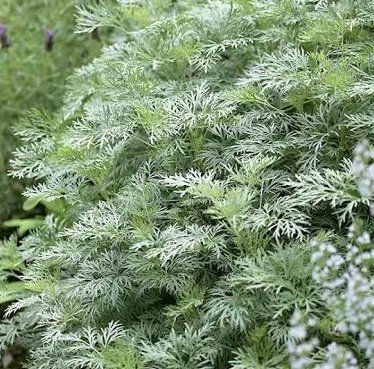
point(196, 159)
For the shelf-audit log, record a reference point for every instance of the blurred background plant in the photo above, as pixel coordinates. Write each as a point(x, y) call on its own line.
point(33, 70)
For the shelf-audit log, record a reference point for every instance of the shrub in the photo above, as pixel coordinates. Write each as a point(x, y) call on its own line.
point(194, 161)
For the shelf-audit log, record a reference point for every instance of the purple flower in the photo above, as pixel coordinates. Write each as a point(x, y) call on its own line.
point(2, 30)
point(49, 39)
point(5, 42)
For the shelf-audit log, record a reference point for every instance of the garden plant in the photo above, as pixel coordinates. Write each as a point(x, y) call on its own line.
point(212, 180)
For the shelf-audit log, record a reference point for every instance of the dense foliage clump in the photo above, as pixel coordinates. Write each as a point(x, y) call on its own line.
point(32, 75)
point(204, 175)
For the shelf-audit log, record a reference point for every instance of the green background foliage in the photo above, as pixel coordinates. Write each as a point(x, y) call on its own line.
point(30, 77)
